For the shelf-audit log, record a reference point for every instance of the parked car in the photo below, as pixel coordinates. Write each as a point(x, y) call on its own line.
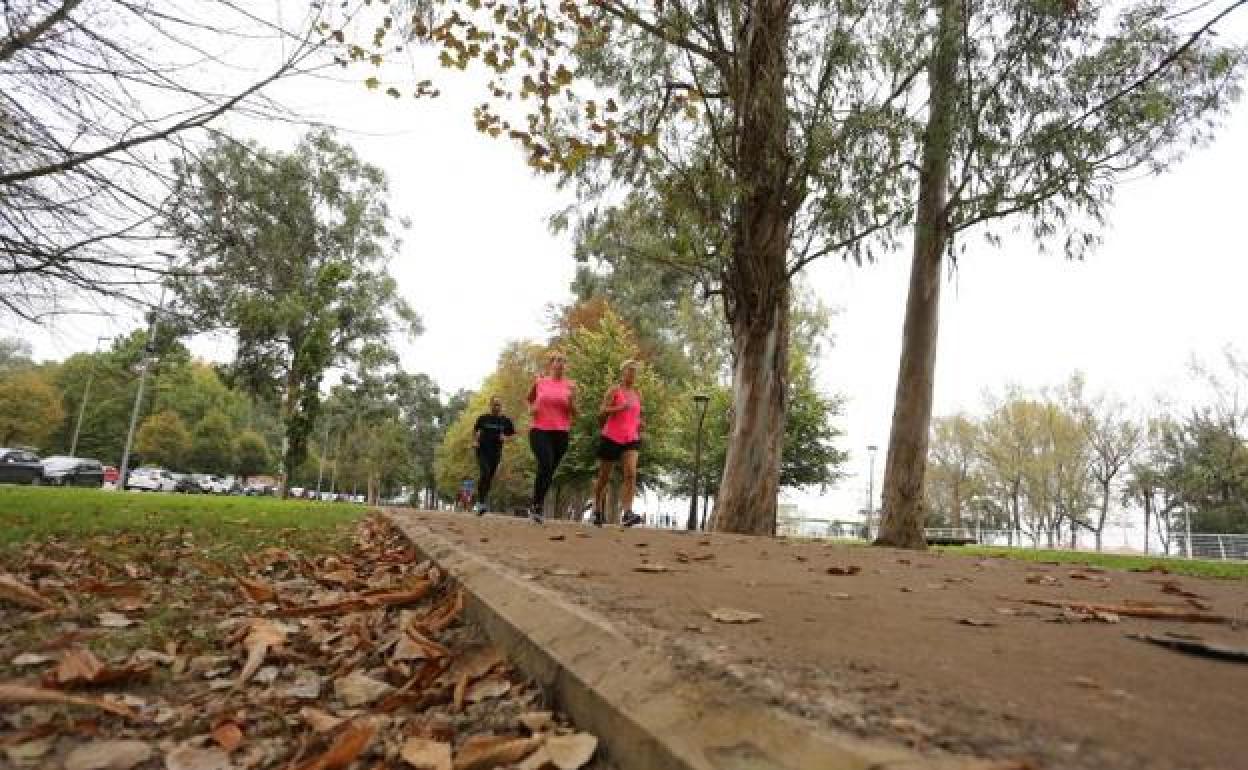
point(259, 490)
point(73, 472)
point(229, 485)
point(151, 480)
point(20, 466)
point(205, 481)
point(186, 484)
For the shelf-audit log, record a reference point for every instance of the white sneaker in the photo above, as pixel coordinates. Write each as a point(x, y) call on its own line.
point(480, 509)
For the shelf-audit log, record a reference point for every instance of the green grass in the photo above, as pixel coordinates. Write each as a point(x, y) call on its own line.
point(1235, 570)
point(218, 523)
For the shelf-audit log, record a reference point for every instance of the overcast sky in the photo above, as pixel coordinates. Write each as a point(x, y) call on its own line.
point(481, 267)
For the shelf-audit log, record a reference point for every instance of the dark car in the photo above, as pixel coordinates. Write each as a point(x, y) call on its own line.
point(73, 471)
point(185, 484)
point(20, 466)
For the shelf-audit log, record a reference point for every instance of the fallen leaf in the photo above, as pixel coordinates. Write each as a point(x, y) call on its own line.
point(29, 752)
point(557, 537)
point(538, 760)
point(357, 689)
point(852, 569)
point(228, 735)
point(194, 758)
point(1107, 617)
point(110, 619)
point(108, 755)
point(257, 590)
point(536, 721)
point(320, 721)
point(571, 752)
point(1084, 681)
point(423, 754)
point(493, 687)
point(728, 615)
point(32, 659)
point(1196, 646)
point(566, 572)
point(16, 592)
point(21, 693)
point(976, 623)
point(485, 752)
point(346, 747)
point(652, 568)
point(78, 667)
point(262, 636)
point(1047, 580)
point(413, 645)
point(307, 686)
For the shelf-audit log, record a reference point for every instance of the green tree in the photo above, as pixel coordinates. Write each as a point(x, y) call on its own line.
point(733, 126)
point(1039, 120)
point(954, 477)
point(212, 445)
point(251, 454)
point(291, 252)
point(14, 355)
point(30, 409)
point(163, 440)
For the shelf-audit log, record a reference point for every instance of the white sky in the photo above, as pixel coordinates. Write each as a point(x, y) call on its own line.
point(480, 266)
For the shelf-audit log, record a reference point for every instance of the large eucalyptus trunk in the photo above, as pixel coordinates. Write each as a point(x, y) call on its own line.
point(906, 467)
point(756, 293)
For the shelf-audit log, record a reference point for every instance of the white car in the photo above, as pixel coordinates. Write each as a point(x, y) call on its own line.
point(151, 480)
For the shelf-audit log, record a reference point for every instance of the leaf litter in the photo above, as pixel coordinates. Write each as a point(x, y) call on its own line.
point(280, 659)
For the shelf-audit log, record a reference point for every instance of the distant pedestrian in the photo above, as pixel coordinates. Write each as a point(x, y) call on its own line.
point(619, 443)
point(489, 434)
point(552, 401)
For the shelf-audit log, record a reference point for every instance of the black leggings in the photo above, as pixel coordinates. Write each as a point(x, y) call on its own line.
point(549, 447)
point(487, 463)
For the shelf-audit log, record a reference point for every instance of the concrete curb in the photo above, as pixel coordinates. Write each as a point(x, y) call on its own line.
point(648, 715)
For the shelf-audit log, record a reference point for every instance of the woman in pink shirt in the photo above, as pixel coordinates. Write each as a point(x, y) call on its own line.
point(620, 442)
point(552, 402)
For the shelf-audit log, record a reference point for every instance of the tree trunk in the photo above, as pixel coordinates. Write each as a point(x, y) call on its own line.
point(756, 291)
point(906, 467)
point(1148, 510)
point(1100, 522)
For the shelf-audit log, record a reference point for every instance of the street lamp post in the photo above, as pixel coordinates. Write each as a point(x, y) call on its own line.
point(86, 394)
point(871, 449)
point(700, 401)
point(149, 347)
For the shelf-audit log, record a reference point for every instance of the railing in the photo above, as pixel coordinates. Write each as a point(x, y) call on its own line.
point(1214, 546)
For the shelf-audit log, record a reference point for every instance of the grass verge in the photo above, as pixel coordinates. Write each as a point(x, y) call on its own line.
point(1233, 570)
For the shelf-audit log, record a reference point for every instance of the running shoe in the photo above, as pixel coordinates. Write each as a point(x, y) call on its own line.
point(480, 509)
point(630, 519)
point(535, 515)
point(598, 518)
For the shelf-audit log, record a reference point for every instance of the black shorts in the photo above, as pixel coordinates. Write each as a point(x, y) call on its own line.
point(612, 452)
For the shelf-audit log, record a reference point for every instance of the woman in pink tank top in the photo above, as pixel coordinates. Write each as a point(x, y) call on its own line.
point(620, 443)
point(552, 402)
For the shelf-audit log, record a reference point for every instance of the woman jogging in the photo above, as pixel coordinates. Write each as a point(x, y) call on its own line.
point(552, 400)
point(620, 442)
point(489, 434)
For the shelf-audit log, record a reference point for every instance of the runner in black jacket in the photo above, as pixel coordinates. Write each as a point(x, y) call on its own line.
point(488, 435)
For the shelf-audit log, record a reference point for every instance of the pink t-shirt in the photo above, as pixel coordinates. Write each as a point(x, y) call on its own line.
point(624, 426)
point(553, 405)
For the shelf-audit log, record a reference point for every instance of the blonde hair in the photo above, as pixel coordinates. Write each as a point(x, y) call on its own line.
point(631, 363)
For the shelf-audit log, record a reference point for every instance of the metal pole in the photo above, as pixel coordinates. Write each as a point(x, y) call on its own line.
point(692, 523)
point(149, 347)
point(86, 394)
point(870, 488)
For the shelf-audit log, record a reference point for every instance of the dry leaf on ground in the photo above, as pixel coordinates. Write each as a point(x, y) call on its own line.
point(424, 754)
point(320, 721)
point(976, 622)
point(852, 569)
point(194, 758)
point(494, 687)
point(78, 667)
point(108, 755)
point(571, 752)
point(228, 735)
point(21, 693)
point(346, 747)
point(110, 619)
point(729, 615)
point(257, 590)
point(536, 721)
point(652, 568)
point(16, 592)
point(262, 636)
point(32, 659)
point(486, 752)
point(357, 689)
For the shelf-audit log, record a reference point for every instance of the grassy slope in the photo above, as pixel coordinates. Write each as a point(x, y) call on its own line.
point(1196, 567)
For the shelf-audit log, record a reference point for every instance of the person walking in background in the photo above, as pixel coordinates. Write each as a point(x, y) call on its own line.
point(490, 432)
point(619, 443)
point(552, 401)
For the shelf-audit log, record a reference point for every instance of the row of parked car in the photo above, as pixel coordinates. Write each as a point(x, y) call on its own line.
point(21, 466)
